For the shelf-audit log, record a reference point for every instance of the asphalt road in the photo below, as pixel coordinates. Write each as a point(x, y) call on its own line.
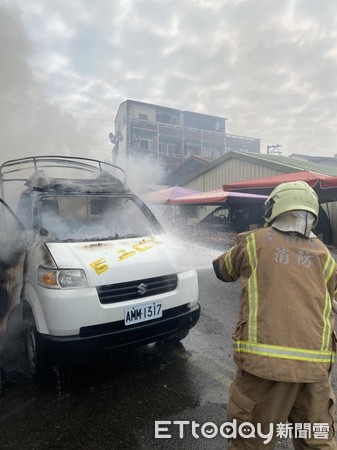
point(115, 402)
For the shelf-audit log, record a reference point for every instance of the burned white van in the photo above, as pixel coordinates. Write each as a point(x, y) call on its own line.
point(86, 263)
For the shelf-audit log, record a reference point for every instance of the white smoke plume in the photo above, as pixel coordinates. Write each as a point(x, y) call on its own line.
point(30, 123)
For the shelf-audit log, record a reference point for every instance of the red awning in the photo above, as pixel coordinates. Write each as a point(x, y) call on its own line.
point(324, 185)
point(163, 196)
point(218, 196)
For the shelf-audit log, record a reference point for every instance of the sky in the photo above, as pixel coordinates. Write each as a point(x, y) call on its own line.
point(268, 66)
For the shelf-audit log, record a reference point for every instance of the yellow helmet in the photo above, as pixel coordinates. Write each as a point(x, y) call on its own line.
point(295, 195)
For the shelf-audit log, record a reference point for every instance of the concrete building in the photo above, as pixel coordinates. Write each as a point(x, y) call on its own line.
point(165, 137)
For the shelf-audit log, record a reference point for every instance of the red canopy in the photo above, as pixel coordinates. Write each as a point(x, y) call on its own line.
point(218, 196)
point(324, 185)
point(163, 196)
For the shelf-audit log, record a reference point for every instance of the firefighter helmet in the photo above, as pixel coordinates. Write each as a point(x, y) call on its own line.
point(296, 195)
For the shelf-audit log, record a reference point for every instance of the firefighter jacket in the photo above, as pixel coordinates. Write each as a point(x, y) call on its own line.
point(285, 327)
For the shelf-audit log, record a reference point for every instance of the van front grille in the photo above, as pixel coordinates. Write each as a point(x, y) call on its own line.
point(167, 321)
point(121, 292)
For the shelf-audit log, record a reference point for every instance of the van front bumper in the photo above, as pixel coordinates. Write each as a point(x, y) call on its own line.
point(92, 340)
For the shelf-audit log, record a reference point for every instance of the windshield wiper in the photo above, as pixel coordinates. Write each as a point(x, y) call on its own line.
point(103, 238)
point(118, 236)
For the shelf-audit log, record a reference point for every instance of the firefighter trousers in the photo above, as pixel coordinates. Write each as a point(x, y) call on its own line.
point(308, 409)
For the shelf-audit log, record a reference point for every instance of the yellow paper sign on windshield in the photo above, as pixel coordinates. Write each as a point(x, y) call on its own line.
point(123, 254)
point(143, 245)
point(99, 266)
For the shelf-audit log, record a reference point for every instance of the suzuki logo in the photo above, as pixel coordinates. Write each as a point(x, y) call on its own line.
point(142, 289)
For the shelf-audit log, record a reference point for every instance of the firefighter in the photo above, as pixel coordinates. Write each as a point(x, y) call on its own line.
point(284, 342)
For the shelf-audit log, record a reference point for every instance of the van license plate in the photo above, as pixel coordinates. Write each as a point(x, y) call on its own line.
point(148, 311)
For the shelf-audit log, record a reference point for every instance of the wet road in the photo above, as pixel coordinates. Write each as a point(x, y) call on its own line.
point(114, 403)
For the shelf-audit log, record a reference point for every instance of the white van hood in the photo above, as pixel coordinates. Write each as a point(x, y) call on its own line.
point(116, 261)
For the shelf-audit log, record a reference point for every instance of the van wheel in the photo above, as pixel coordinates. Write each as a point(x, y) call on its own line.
point(37, 364)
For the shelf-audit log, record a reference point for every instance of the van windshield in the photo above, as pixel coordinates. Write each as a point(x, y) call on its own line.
point(88, 218)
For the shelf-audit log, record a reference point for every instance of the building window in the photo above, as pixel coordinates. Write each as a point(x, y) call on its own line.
point(169, 146)
point(142, 116)
point(204, 122)
point(192, 148)
point(144, 145)
point(167, 116)
point(169, 149)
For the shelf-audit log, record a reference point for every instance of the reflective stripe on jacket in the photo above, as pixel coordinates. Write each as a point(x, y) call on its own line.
point(285, 326)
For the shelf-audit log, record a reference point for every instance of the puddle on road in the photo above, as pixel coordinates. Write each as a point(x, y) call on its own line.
point(115, 366)
point(109, 398)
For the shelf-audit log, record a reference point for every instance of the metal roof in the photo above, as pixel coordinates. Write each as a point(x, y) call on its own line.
point(280, 163)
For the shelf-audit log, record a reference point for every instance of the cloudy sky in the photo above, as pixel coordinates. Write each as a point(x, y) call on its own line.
point(268, 66)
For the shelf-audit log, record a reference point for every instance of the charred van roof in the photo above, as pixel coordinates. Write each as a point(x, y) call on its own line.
point(79, 175)
point(103, 183)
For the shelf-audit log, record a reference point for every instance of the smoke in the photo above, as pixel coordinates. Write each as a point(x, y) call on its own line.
point(12, 256)
point(94, 218)
point(13, 244)
point(141, 173)
point(30, 123)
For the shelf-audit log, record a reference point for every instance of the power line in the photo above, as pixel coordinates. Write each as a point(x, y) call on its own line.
point(77, 116)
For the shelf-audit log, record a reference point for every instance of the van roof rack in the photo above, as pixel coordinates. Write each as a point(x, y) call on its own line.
point(10, 170)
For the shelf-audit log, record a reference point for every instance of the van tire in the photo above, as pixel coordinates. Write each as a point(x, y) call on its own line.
point(37, 365)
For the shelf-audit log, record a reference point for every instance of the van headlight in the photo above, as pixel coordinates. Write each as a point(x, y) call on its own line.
point(62, 279)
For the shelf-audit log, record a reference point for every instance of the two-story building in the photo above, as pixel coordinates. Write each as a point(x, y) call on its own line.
point(164, 137)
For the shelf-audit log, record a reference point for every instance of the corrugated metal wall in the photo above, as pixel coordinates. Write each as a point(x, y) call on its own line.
point(229, 172)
